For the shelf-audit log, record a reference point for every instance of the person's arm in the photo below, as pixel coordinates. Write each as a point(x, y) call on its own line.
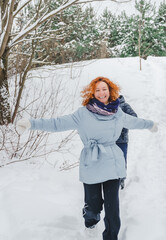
point(64, 123)
point(131, 122)
point(128, 109)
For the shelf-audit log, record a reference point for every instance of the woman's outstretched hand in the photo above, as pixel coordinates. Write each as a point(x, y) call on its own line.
point(22, 125)
point(154, 128)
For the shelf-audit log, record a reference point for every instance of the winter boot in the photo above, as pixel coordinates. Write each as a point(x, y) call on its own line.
point(122, 183)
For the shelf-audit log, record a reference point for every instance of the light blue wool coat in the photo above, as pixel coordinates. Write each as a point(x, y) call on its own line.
point(101, 159)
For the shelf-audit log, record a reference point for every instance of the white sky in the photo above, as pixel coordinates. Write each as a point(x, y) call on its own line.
point(118, 7)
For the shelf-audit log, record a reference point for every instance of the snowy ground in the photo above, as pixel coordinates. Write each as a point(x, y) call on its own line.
point(39, 202)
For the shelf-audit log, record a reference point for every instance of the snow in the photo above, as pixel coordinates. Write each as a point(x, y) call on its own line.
point(40, 202)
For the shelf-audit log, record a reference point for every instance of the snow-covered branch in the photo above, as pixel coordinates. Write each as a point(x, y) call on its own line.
point(46, 16)
point(20, 53)
point(21, 7)
point(42, 62)
point(41, 20)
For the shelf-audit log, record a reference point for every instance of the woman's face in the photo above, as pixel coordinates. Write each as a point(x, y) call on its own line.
point(102, 92)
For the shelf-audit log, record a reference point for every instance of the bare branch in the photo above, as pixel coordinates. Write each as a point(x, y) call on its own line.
point(4, 18)
point(7, 29)
point(70, 166)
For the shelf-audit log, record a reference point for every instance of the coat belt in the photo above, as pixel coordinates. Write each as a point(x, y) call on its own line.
point(95, 148)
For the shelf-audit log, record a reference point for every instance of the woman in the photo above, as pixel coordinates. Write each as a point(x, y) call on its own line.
point(99, 123)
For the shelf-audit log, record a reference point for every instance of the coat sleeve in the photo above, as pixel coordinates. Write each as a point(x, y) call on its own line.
point(128, 109)
point(64, 123)
point(131, 122)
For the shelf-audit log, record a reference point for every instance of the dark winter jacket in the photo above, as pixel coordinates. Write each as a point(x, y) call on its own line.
point(127, 109)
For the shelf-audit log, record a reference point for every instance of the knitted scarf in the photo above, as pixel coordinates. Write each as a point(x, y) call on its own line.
point(98, 107)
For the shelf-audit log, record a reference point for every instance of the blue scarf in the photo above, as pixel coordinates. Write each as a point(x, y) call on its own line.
point(98, 107)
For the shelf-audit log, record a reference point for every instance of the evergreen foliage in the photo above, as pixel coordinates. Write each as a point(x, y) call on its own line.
point(125, 34)
point(70, 36)
point(160, 33)
point(77, 34)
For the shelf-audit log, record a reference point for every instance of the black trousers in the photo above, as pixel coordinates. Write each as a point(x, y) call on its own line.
point(124, 147)
point(94, 205)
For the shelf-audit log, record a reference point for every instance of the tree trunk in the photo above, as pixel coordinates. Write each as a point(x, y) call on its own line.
point(103, 49)
point(5, 115)
point(139, 45)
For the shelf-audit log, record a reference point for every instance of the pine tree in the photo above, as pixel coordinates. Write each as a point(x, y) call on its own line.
point(160, 31)
point(141, 37)
point(73, 36)
point(110, 31)
point(129, 39)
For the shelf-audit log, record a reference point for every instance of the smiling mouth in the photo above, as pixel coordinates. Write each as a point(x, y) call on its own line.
point(102, 97)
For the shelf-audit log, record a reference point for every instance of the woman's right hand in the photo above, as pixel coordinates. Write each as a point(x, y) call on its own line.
point(22, 125)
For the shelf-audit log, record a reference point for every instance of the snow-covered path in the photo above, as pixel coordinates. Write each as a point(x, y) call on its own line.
point(143, 202)
point(39, 202)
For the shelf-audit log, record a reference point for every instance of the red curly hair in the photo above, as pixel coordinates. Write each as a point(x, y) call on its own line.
point(88, 92)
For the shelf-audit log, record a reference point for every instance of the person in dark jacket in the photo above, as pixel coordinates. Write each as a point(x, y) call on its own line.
point(122, 141)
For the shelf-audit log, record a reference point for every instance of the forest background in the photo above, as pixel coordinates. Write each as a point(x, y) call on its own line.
point(78, 33)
